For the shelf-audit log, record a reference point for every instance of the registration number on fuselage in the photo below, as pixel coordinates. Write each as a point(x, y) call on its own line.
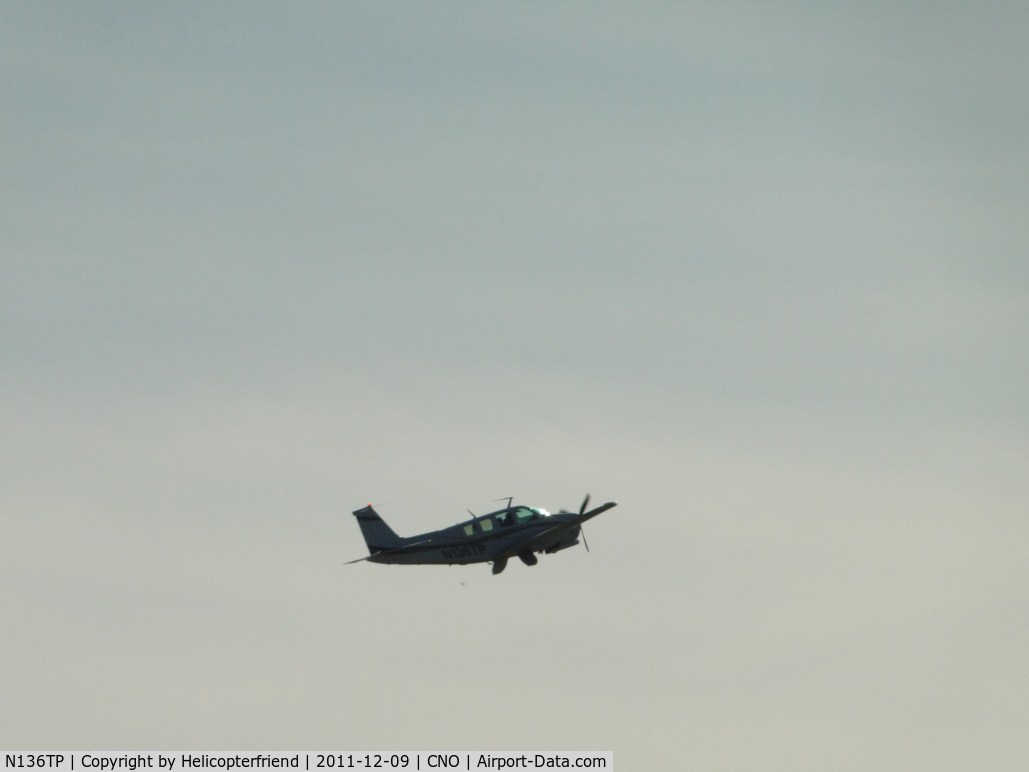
point(463, 552)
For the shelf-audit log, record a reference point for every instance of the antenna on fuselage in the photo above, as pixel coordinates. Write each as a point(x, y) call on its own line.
point(508, 499)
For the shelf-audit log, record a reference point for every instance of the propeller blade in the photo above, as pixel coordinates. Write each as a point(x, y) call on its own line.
point(582, 533)
point(585, 503)
point(598, 510)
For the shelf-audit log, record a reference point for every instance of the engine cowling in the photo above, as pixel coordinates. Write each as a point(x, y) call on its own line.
point(567, 540)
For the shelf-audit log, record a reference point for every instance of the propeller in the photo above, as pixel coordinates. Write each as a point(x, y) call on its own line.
point(582, 532)
point(582, 511)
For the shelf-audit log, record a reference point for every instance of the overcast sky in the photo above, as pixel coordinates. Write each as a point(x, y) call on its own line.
point(760, 273)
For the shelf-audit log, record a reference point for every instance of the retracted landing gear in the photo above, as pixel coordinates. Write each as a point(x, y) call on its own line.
point(499, 565)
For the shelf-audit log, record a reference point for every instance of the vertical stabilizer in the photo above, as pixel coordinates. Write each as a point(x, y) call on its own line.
point(377, 535)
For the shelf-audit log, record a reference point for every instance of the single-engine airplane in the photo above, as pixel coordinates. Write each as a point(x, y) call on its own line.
point(493, 538)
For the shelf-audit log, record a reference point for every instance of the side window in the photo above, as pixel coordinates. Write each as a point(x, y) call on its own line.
point(469, 529)
point(486, 525)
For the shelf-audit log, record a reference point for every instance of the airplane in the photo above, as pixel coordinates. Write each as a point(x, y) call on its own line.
point(492, 538)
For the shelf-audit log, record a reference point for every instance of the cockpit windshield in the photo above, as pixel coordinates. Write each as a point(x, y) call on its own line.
point(524, 514)
point(519, 515)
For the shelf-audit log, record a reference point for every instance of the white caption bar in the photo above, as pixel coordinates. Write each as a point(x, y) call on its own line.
point(187, 761)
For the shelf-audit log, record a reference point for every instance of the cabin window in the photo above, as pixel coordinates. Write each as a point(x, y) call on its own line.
point(469, 529)
point(486, 525)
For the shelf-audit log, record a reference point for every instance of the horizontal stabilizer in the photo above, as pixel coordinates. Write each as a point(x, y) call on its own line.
point(387, 553)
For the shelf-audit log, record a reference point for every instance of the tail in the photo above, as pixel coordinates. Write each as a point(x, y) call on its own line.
point(377, 535)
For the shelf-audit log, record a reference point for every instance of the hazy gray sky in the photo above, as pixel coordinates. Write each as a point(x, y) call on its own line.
point(758, 272)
